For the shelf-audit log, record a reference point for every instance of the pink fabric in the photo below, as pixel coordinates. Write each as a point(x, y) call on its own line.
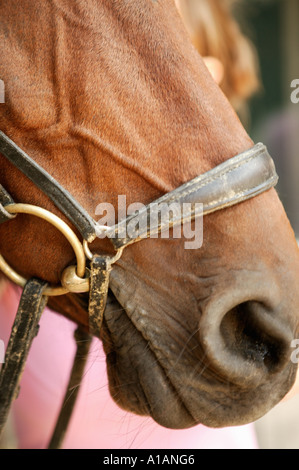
point(97, 422)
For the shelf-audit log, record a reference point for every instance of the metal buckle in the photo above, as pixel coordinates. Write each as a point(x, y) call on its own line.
point(77, 282)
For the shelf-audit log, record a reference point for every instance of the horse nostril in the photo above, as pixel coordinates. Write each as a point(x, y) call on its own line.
point(248, 334)
point(247, 343)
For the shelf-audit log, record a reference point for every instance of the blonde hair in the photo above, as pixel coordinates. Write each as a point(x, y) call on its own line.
point(215, 32)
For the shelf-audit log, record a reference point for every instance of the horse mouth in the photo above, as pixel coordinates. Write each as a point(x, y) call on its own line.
point(137, 381)
point(175, 397)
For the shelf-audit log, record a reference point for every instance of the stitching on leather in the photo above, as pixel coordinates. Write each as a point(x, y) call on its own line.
point(268, 183)
point(255, 191)
point(121, 226)
point(204, 183)
point(214, 178)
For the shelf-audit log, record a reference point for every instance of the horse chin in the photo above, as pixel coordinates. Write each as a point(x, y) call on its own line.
point(139, 381)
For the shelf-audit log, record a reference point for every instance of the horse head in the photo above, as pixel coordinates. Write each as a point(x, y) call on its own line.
point(112, 99)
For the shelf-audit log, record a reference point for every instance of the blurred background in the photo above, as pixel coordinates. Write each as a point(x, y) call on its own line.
point(273, 27)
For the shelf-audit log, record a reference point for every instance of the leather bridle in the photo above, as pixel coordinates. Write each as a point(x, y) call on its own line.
point(237, 179)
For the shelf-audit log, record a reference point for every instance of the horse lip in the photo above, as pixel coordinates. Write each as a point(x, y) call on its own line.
point(162, 400)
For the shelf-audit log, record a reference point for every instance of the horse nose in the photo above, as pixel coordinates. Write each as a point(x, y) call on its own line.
point(246, 343)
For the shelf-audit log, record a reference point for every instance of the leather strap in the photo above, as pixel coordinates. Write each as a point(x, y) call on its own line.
point(24, 330)
point(237, 179)
point(100, 268)
point(43, 180)
point(83, 342)
point(5, 200)
point(240, 178)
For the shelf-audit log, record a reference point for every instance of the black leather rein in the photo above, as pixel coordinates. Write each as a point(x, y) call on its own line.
point(237, 179)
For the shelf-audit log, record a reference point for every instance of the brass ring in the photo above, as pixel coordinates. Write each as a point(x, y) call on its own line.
point(63, 228)
point(112, 259)
point(86, 249)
